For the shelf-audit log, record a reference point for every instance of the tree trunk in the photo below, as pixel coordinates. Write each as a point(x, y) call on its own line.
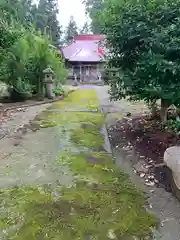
point(154, 109)
point(40, 89)
point(164, 108)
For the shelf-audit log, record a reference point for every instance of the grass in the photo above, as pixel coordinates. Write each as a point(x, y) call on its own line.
point(100, 204)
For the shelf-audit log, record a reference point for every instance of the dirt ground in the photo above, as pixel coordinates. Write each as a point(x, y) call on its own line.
point(149, 140)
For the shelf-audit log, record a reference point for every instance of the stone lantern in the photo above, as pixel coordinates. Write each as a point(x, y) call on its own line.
point(49, 82)
point(114, 72)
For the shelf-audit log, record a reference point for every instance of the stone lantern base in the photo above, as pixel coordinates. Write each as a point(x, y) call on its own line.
point(49, 90)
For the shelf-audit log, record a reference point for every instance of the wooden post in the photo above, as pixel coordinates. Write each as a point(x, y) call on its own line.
point(80, 74)
point(72, 70)
point(98, 71)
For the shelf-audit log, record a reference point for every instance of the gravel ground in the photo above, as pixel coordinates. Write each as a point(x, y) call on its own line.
point(13, 121)
point(18, 117)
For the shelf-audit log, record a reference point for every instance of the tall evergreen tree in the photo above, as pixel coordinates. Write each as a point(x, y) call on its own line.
point(93, 10)
point(20, 10)
point(46, 19)
point(85, 29)
point(71, 30)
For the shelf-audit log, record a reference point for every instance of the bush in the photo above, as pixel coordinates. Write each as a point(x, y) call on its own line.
point(58, 91)
point(21, 92)
point(4, 93)
point(24, 58)
point(173, 125)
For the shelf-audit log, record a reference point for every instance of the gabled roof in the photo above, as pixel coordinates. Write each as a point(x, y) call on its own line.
point(83, 51)
point(85, 55)
point(89, 37)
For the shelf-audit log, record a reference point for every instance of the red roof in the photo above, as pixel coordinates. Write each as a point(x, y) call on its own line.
point(89, 37)
point(84, 50)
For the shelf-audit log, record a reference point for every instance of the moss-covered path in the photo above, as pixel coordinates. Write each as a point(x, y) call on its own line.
point(61, 183)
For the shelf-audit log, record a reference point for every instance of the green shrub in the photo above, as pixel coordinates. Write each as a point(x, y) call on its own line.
point(58, 91)
point(173, 125)
point(21, 92)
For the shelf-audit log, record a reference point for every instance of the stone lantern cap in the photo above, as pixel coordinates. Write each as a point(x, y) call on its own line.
point(48, 75)
point(48, 71)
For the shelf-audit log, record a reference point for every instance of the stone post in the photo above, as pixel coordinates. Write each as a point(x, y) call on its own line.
point(49, 82)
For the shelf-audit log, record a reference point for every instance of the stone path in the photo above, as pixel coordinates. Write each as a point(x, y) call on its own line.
point(59, 181)
point(162, 203)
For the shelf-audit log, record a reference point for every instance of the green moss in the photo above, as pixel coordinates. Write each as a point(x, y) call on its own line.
point(71, 117)
point(81, 97)
point(105, 199)
point(47, 124)
point(50, 119)
point(87, 135)
point(101, 200)
point(75, 108)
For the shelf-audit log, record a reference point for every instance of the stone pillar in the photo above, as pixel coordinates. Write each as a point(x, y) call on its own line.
point(49, 82)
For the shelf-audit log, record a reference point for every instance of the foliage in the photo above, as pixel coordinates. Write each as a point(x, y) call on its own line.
point(58, 91)
point(143, 39)
point(43, 16)
point(19, 10)
point(45, 19)
point(71, 30)
point(24, 56)
point(9, 34)
point(24, 52)
point(173, 125)
point(94, 9)
point(4, 93)
point(85, 29)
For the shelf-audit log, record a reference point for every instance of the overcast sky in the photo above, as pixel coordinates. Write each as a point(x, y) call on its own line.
point(74, 8)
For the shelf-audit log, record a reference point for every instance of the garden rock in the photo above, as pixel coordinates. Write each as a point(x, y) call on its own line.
point(172, 160)
point(140, 167)
point(1, 105)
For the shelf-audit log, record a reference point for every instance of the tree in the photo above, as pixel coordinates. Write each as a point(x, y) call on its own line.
point(85, 29)
point(27, 55)
point(144, 40)
point(24, 52)
point(94, 9)
point(71, 30)
point(19, 10)
point(45, 18)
